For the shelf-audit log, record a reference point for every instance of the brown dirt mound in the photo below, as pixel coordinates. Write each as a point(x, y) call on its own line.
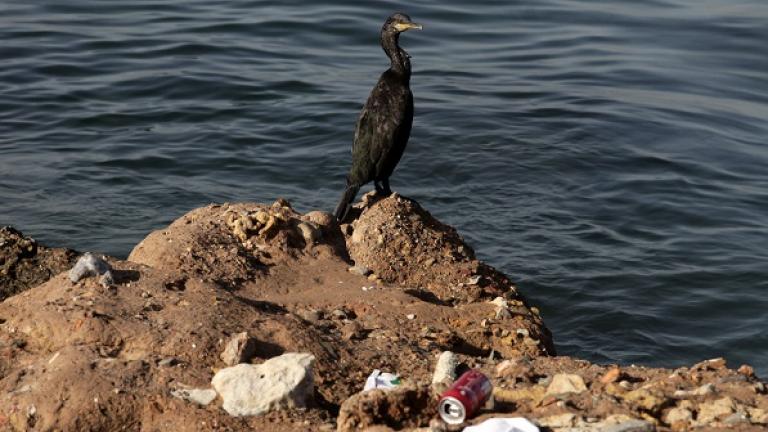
point(402, 243)
point(25, 264)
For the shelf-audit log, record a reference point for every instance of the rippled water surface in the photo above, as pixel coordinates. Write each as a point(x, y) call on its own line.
point(610, 156)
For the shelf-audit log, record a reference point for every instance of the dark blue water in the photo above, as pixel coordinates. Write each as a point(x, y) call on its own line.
point(611, 156)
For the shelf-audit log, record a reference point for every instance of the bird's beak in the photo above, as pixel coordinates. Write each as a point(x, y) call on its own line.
point(403, 26)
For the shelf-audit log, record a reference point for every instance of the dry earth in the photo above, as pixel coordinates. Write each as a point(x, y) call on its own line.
point(391, 291)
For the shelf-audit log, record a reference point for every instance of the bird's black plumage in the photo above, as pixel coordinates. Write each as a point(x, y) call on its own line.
point(384, 125)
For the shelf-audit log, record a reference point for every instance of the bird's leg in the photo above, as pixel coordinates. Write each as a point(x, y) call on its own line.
point(379, 189)
point(385, 187)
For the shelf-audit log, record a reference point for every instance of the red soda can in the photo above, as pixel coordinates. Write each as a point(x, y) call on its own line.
point(465, 397)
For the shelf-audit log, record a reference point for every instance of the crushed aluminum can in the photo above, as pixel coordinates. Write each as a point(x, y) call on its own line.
point(465, 397)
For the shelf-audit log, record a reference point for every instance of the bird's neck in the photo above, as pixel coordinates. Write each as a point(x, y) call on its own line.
point(397, 56)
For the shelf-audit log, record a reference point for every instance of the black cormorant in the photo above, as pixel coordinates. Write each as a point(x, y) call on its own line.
point(384, 124)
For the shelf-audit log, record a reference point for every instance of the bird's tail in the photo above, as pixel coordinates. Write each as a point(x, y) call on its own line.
point(346, 201)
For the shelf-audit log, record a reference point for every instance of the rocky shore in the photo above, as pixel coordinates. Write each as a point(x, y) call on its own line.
point(255, 317)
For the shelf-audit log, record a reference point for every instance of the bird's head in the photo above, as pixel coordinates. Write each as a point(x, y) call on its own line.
point(398, 23)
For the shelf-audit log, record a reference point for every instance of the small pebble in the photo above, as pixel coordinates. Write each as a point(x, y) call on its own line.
point(360, 270)
point(169, 361)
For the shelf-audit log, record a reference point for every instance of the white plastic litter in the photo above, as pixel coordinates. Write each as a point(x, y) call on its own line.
point(89, 265)
point(512, 424)
point(381, 380)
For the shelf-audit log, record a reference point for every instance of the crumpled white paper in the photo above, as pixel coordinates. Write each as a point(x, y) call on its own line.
point(512, 424)
point(381, 380)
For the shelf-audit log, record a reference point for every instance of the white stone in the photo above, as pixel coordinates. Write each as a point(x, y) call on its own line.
point(679, 415)
point(445, 369)
point(704, 390)
point(633, 425)
point(198, 396)
point(566, 383)
point(559, 420)
point(280, 382)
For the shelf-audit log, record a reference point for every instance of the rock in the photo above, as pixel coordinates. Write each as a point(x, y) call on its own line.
point(90, 265)
point(239, 349)
point(646, 399)
point(280, 382)
point(445, 368)
point(678, 417)
point(715, 410)
point(320, 218)
point(566, 383)
point(398, 408)
point(198, 396)
point(758, 415)
point(534, 393)
point(312, 315)
point(521, 369)
point(633, 425)
point(352, 330)
point(339, 314)
point(559, 420)
point(704, 390)
point(612, 375)
point(711, 364)
point(310, 232)
point(360, 270)
point(736, 418)
point(746, 370)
